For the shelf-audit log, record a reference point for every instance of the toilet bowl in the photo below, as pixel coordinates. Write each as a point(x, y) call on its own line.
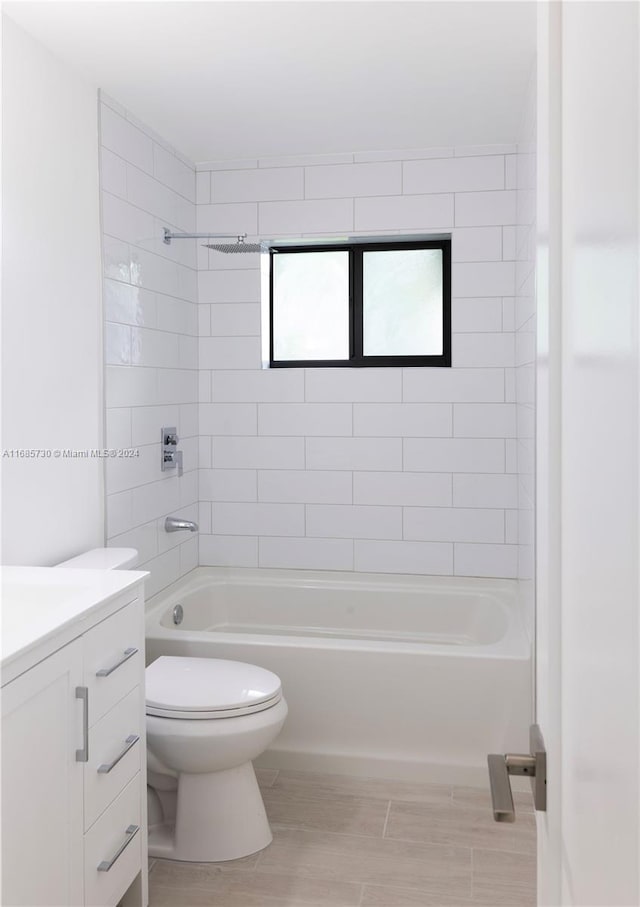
point(207, 719)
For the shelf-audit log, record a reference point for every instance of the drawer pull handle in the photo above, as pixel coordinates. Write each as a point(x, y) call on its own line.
point(128, 653)
point(106, 767)
point(130, 834)
point(83, 754)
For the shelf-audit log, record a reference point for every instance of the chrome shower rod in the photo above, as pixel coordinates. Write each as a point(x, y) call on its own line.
point(168, 236)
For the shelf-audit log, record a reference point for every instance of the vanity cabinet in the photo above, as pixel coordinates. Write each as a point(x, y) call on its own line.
point(42, 808)
point(74, 769)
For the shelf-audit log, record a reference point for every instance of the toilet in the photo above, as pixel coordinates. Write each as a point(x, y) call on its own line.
point(207, 719)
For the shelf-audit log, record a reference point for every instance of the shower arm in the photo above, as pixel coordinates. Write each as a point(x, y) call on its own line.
point(168, 236)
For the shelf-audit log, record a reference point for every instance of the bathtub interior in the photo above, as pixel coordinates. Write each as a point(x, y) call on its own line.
point(434, 613)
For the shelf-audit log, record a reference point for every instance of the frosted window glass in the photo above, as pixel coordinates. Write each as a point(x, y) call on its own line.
point(402, 303)
point(311, 305)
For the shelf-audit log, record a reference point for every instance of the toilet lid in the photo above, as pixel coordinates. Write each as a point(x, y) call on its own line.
point(207, 685)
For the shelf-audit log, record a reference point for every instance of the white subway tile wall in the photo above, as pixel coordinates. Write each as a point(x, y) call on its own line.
point(151, 346)
point(386, 470)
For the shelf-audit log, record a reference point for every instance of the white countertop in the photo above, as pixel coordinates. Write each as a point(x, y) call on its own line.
point(43, 608)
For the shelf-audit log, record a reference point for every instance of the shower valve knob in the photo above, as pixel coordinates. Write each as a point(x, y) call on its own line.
point(171, 457)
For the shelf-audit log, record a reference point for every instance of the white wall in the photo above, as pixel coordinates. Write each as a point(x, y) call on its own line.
point(548, 638)
point(394, 470)
point(51, 305)
point(525, 348)
point(588, 647)
point(600, 515)
point(150, 292)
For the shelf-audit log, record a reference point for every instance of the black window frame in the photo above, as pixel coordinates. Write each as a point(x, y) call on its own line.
point(356, 358)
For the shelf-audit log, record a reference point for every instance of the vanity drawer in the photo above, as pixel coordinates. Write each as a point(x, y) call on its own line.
point(115, 753)
point(113, 658)
point(113, 849)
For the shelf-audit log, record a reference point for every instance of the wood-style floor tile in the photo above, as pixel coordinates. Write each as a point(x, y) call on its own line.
point(246, 889)
point(480, 798)
point(320, 786)
point(379, 896)
point(266, 776)
point(174, 874)
point(342, 815)
point(174, 897)
point(455, 826)
point(441, 848)
point(195, 897)
point(503, 879)
point(376, 861)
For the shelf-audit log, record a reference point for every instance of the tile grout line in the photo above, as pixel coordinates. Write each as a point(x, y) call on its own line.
point(257, 862)
point(342, 834)
point(386, 819)
point(472, 877)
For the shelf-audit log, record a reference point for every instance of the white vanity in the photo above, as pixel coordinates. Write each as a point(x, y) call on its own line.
point(73, 738)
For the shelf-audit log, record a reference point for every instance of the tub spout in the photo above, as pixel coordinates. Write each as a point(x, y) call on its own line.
point(172, 524)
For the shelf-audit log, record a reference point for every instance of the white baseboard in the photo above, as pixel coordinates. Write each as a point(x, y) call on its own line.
point(363, 766)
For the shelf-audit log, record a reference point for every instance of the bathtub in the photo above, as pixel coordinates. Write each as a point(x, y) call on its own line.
point(406, 677)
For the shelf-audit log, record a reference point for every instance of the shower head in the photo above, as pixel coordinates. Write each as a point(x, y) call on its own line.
point(238, 246)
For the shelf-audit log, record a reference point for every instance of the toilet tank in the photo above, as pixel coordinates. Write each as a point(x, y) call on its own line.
point(104, 559)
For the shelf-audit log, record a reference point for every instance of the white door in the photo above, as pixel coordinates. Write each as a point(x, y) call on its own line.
point(588, 465)
point(42, 849)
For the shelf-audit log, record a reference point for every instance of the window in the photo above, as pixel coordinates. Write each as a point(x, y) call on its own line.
point(360, 304)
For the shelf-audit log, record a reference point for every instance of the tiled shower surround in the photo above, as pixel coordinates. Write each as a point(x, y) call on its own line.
point(387, 470)
point(150, 303)
point(392, 470)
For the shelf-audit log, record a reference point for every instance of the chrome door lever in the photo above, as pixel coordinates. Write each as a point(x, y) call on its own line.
point(533, 764)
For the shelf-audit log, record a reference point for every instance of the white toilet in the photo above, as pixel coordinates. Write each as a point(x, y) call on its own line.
point(207, 718)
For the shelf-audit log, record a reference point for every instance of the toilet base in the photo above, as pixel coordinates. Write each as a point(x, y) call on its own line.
point(220, 816)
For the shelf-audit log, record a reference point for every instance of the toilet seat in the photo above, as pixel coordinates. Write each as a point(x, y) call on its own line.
point(208, 688)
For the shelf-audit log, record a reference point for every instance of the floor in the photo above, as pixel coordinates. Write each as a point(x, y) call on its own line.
point(348, 842)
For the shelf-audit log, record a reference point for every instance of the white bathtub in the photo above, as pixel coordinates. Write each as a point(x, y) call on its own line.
point(406, 677)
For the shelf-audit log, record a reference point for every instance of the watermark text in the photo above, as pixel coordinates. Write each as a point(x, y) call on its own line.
point(69, 453)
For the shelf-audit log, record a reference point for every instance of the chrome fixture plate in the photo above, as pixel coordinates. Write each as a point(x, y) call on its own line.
point(170, 456)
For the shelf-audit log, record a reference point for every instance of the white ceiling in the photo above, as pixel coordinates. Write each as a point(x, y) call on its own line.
point(250, 79)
